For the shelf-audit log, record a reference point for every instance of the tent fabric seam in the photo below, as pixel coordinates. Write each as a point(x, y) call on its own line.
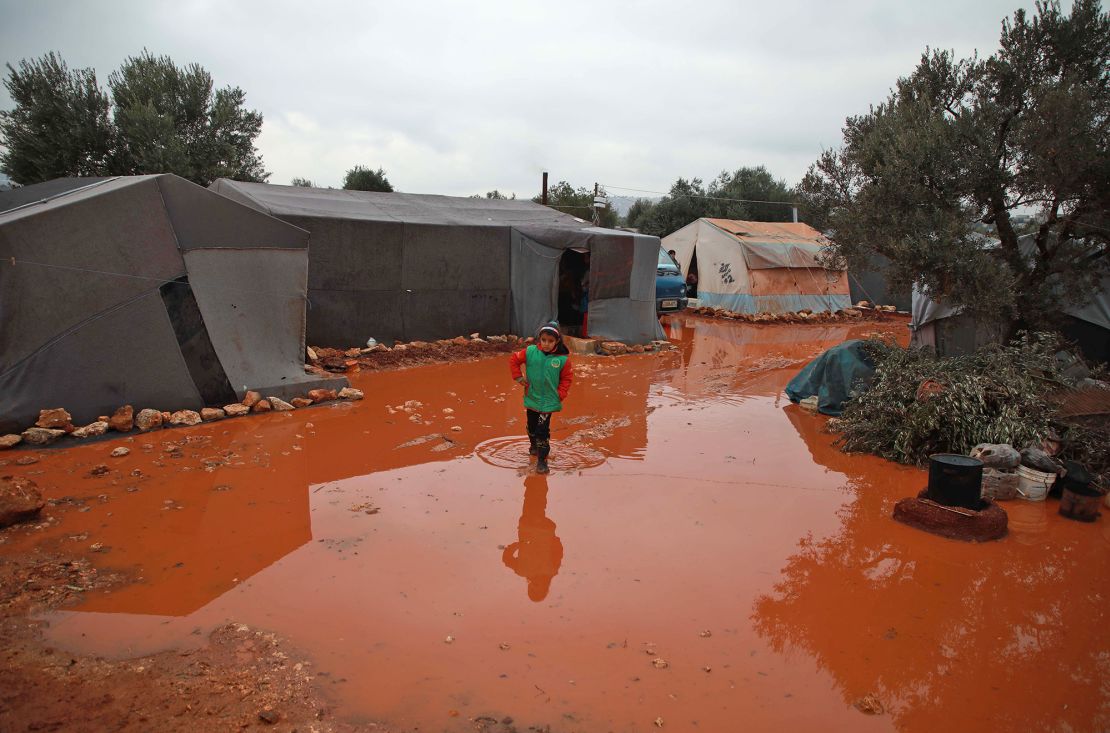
point(48, 199)
point(169, 218)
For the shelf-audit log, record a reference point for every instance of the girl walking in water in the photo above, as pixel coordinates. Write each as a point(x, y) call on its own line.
point(546, 378)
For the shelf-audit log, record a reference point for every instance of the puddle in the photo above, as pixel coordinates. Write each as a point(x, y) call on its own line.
point(693, 516)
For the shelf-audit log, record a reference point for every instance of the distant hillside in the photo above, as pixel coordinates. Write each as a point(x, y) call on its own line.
point(621, 204)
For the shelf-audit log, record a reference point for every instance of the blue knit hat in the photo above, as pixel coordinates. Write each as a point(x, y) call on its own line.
point(552, 328)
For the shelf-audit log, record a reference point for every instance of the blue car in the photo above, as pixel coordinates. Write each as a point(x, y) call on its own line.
point(670, 287)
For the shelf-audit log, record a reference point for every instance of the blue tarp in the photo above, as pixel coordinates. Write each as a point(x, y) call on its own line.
point(833, 376)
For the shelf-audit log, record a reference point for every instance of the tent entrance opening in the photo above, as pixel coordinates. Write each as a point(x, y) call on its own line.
point(574, 270)
point(692, 276)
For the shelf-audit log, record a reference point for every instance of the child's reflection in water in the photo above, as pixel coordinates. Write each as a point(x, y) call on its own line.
point(538, 553)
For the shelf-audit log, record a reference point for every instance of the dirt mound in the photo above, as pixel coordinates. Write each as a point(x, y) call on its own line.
point(957, 523)
point(242, 678)
point(412, 354)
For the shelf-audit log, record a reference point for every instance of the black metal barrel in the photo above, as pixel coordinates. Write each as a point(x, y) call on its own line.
point(955, 480)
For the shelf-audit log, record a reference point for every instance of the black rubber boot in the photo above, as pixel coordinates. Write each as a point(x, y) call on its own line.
point(541, 460)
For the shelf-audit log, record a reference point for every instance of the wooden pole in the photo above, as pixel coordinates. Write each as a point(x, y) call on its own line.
point(543, 194)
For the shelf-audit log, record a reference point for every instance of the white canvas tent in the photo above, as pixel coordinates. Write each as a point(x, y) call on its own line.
point(759, 267)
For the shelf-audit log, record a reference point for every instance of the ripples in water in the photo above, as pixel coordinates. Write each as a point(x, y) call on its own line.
point(512, 452)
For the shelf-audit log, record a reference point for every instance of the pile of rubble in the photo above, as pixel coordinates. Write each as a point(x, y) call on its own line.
point(322, 360)
point(56, 423)
point(616, 348)
point(803, 316)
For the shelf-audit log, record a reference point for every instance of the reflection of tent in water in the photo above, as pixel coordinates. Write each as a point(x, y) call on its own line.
point(230, 526)
point(931, 625)
point(538, 553)
point(397, 266)
point(238, 519)
point(714, 351)
point(754, 266)
point(146, 290)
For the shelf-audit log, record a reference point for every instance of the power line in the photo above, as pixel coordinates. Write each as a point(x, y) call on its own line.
point(698, 196)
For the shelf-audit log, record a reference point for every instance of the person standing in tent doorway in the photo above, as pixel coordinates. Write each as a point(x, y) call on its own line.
point(546, 378)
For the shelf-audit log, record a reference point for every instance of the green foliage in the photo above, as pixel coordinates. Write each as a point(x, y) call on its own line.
point(302, 183)
point(578, 202)
point(169, 120)
point(919, 404)
point(362, 178)
point(736, 195)
point(965, 142)
point(60, 125)
point(164, 119)
point(496, 195)
point(636, 212)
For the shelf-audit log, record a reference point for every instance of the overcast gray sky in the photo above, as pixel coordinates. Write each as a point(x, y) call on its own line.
point(460, 98)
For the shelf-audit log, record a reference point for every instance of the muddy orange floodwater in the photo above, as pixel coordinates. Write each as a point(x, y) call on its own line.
point(700, 554)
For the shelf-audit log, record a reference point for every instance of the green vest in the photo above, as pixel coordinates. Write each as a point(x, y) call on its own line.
point(543, 372)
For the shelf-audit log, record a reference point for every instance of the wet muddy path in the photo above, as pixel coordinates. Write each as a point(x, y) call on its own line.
point(700, 554)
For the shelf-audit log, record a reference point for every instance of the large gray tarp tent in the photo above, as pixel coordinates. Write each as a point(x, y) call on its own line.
point(145, 290)
point(402, 267)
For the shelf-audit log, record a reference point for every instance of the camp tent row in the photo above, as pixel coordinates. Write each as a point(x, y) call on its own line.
point(145, 290)
point(403, 267)
point(757, 267)
point(155, 292)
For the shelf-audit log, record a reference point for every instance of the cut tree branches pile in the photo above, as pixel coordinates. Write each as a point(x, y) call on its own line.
point(919, 404)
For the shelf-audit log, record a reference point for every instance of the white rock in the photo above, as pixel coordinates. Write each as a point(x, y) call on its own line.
point(350, 393)
point(185, 417)
point(91, 430)
point(42, 436)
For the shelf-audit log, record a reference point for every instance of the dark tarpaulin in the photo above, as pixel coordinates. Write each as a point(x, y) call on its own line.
point(833, 376)
point(37, 192)
point(622, 308)
point(395, 266)
point(146, 290)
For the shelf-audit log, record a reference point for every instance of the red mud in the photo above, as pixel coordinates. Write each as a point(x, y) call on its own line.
point(693, 517)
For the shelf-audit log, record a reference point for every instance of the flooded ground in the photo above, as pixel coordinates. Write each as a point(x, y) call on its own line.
point(701, 557)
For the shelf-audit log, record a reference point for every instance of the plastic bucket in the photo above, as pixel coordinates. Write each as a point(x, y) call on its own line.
point(1033, 485)
point(955, 480)
point(1080, 506)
